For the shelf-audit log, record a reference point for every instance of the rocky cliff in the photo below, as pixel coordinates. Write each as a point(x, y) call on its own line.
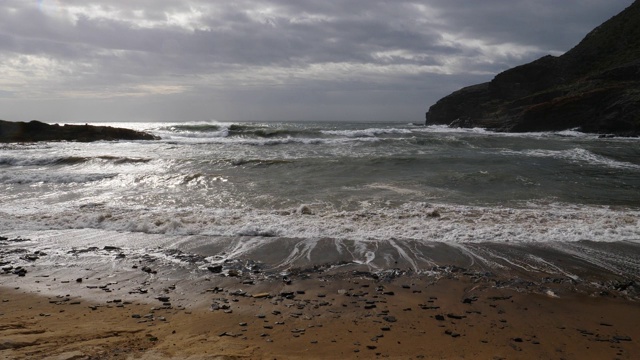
point(39, 131)
point(594, 87)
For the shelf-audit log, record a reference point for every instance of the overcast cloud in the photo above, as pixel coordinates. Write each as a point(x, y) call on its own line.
point(196, 60)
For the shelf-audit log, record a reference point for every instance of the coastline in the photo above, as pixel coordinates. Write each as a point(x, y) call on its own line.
point(131, 307)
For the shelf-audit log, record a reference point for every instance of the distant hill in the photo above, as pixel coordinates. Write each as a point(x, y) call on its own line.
point(38, 131)
point(594, 87)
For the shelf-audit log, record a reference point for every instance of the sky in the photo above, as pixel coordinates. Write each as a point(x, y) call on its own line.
point(268, 60)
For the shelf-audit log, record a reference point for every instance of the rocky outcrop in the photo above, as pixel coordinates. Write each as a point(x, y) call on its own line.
point(38, 131)
point(594, 87)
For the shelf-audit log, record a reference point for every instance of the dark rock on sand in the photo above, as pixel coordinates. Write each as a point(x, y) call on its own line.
point(215, 269)
point(390, 319)
point(452, 333)
point(593, 87)
point(622, 338)
point(454, 316)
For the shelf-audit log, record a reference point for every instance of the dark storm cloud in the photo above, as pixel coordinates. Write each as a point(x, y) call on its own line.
point(304, 51)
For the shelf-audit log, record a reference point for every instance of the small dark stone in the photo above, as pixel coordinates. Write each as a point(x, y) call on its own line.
point(451, 333)
point(21, 272)
point(621, 338)
point(215, 269)
point(233, 273)
point(390, 319)
point(439, 317)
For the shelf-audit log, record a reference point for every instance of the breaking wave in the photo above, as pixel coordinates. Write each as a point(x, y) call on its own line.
point(414, 222)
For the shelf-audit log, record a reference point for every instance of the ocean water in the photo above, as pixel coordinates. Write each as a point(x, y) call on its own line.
point(369, 193)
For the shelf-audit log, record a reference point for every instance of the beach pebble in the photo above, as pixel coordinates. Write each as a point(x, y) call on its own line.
point(621, 338)
point(452, 333)
point(215, 269)
point(454, 316)
point(233, 273)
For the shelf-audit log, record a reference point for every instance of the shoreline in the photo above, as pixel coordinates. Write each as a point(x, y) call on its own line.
point(108, 303)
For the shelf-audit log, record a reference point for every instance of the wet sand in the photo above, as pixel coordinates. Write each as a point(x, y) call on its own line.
point(106, 304)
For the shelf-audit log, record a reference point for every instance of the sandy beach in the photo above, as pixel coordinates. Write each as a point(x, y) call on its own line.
point(141, 308)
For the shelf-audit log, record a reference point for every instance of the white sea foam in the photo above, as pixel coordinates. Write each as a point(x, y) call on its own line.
point(577, 155)
point(52, 178)
point(456, 224)
point(365, 132)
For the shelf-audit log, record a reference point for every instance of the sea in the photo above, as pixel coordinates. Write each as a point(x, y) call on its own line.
point(288, 194)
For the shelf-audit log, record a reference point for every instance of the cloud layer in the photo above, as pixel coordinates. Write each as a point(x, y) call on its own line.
point(170, 60)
